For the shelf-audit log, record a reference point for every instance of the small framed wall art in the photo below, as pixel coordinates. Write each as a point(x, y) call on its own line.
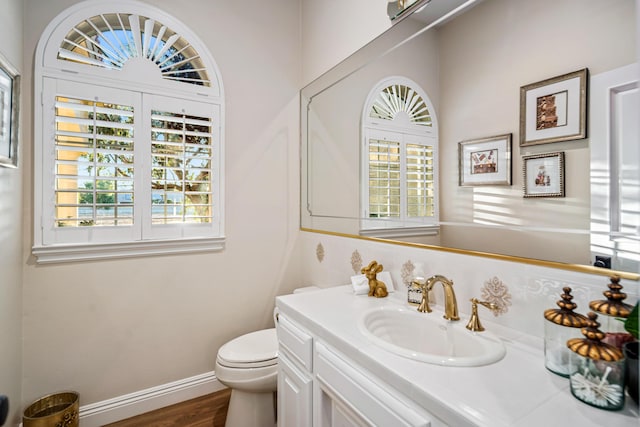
point(554, 110)
point(485, 161)
point(9, 97)
point(544, 175)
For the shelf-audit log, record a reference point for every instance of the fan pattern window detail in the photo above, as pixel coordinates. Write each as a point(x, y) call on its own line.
point(181, 150)
point(110, 40)
point(94, 163)
point(400, 99)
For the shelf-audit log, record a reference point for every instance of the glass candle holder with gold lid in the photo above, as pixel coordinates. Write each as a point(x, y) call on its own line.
point(562, 324)
point(597, 374)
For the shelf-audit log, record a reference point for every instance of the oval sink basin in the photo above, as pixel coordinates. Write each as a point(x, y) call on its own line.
point(427, 337)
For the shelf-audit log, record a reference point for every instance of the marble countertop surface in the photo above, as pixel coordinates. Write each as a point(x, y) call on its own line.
point(516, 391)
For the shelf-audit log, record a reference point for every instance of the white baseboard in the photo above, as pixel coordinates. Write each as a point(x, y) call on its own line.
point(129, 405)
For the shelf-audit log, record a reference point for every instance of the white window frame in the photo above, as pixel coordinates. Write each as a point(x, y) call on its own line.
point(615, 232)
point(91, 243)
point(404, 133)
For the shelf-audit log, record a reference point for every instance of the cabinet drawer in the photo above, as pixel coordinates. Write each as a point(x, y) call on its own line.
point(297, 343)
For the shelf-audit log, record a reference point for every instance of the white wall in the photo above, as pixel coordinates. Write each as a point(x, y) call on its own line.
point(11, 189)
point(334, 29)
point(115, 327)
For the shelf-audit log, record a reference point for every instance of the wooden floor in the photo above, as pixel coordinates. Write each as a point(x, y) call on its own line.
point(209, 411)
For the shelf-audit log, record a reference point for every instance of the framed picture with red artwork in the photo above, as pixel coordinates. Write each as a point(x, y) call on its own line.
point(485, 161)
point(554, 110)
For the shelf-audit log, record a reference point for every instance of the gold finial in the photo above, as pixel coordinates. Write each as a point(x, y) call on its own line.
point(591, 346)
point(565, 316)
point(613, 305)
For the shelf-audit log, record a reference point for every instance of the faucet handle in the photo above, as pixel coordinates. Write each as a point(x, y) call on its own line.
point(421, 283)
point(474, 321)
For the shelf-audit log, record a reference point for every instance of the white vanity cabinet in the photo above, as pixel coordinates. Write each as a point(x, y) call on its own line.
point(332, 374)
point(319, 386)
point(295, 383)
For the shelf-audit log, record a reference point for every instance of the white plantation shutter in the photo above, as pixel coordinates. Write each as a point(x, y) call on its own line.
point(185, 166)
point(181, 155)
point(92, 167)
point(420, 184)
point(94, 164)
point(384, 178)
point(401, 186)
point(130, 166)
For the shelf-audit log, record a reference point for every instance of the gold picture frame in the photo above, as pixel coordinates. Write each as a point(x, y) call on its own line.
point(543, 175)
point(9, 108)
point(554, 110)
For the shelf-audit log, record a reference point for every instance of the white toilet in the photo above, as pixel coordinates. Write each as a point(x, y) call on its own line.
point(249, 366)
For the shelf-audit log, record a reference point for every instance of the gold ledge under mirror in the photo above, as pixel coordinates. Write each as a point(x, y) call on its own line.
point(578, 268)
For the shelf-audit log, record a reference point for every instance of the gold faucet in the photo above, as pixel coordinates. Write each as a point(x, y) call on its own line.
point(450, 302)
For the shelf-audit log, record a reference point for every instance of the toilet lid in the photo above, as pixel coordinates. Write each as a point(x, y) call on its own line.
point(254, 349)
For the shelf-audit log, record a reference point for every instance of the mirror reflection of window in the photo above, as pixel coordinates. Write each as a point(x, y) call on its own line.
point(399, 160)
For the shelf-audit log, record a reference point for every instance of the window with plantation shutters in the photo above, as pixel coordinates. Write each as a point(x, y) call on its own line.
point(128, 136)
point(399, 182)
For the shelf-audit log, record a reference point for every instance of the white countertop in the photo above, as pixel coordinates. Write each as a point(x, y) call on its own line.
point(516, 391)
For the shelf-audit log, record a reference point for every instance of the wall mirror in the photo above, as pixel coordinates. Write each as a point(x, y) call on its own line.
point(471, 58)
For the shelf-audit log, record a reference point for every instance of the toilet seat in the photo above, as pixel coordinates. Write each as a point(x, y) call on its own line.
point(253, 350)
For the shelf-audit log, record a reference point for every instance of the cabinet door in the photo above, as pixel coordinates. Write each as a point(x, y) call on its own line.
point(294, 395)
point(347, 396)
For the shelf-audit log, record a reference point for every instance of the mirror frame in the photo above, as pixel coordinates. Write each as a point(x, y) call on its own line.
point(373, 50)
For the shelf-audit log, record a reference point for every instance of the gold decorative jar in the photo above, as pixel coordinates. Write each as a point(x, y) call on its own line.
point(562, 325)
point(597, 372)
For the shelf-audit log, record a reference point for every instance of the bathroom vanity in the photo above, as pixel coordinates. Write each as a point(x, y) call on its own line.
point(332, 373)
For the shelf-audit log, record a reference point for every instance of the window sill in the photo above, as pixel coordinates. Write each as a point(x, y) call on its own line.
point(387, 233)
point(101, 251)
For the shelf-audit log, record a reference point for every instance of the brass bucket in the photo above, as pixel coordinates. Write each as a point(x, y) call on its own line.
point(54, 410)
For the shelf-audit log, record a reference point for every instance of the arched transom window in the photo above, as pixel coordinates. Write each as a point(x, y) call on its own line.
point(400, 103)
point(399, 161)
point(111, 40)
point(128, 136)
